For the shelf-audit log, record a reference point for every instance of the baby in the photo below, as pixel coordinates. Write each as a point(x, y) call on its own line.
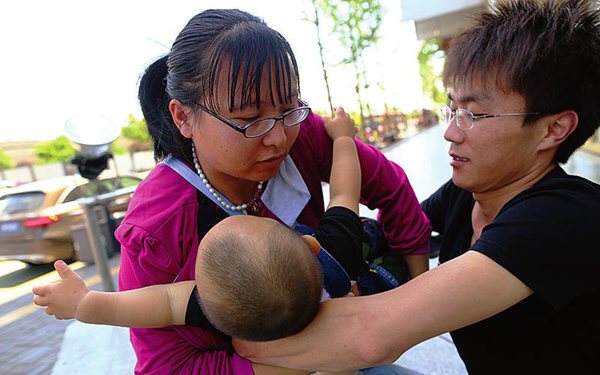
point(256, 279)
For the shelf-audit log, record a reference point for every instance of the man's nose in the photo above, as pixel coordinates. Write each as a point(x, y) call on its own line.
point(453, 133)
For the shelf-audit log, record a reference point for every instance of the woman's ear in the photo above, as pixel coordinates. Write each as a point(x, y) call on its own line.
point(312, 243)
point(180, 115)
point(559, 129)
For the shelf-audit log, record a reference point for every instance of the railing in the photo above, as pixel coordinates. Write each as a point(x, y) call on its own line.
point(94, 232)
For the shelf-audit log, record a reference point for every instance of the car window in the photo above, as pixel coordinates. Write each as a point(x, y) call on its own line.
point(96, 187)
point(127, 182)
point(21, 202)
point(76, 193)
point(89, 189)
point(102, 186)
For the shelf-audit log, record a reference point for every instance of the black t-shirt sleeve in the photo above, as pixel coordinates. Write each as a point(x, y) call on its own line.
point(435, 207)
point(194, 316)
point(546, 237)
point(340, 233)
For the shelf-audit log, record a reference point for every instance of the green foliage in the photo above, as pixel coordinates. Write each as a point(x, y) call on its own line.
point(137, 130)
point(58, 150)
point(5, 161)
point(356, 24)
point(430, 59)
point(117, 149)
point(315, 21)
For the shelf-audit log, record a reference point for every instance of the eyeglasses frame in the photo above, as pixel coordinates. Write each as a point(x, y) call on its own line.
point(475, 117)
point(242, 129)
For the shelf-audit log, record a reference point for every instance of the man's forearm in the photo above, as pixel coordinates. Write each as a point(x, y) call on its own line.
point(337, 327)
point(359, 332)
point(269, 370)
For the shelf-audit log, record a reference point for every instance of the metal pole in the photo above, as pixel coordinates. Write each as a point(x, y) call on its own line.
point(98, 249)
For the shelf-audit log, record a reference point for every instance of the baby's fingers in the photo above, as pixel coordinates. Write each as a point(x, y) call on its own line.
point(41, 290)
point(49, 310)
point(40, 300)
point(339, 111)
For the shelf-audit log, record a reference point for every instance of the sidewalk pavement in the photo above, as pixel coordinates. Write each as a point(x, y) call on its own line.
point(88, 349)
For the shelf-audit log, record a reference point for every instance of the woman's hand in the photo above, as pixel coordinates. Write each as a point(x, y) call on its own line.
point(340, 126)
point(63, 297)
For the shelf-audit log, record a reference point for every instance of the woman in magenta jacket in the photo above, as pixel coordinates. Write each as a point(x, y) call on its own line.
point(225, 102)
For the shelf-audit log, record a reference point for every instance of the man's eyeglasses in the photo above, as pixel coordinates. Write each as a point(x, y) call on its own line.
point(262, 126)
point(465, 119)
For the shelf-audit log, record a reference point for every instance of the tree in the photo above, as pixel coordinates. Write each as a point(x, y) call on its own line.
point(57, 150)
point(137, 130)
point(5, 161)
point(356, 24)
point(430, 59)
point(317, 24)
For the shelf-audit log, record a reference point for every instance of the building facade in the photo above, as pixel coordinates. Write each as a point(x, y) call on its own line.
point(444, 19)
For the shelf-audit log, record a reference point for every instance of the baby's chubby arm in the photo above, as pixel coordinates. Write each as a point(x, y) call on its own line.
point(344, 181)
point(150, 307)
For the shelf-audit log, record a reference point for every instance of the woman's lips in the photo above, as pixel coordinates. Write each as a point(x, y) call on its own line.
point(272, 161)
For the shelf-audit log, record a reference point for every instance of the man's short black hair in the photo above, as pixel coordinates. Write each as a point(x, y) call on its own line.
point(547, 51)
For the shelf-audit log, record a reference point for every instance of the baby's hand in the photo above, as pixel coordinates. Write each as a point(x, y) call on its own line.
point(61, 298)
point(340, 126)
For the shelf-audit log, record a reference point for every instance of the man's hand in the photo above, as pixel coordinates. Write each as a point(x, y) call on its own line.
point(340, 126)
point(63, 297)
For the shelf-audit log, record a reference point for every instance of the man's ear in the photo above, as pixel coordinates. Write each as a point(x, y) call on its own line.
point(180, 115)
point(559, 129)
point(312, 243)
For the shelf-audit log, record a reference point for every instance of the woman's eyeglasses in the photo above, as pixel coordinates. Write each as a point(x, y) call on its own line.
point(262, 126)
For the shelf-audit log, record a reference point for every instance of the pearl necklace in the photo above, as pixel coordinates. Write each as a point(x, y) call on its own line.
point(220, 197)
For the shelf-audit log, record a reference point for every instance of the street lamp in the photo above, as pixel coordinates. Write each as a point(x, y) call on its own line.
point(93, 136)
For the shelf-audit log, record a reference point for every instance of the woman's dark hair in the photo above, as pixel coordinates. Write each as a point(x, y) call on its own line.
point(190, 72)
point(547, 51)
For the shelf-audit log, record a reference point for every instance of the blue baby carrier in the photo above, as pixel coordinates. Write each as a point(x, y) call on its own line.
point(381, 269)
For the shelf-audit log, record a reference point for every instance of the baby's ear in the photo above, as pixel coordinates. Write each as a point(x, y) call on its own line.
point(312, 243)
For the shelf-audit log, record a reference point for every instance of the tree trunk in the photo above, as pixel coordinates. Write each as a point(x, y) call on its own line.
point(131, 156)
point(32, 172)
point(359, 96)
point(317, 24)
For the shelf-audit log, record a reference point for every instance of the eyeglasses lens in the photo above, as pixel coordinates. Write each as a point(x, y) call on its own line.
point(264, 126)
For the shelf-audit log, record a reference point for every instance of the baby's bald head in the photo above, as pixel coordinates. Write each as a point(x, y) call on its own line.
point(257, 279)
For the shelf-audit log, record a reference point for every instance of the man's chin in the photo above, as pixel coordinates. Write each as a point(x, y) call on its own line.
point(462, 183)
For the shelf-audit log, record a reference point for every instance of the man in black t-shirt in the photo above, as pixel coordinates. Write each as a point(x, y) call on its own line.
point(523, 97)
point(519, 283)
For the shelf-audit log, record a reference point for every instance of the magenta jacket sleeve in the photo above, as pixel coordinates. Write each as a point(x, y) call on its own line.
point(174, 350)
point(158, 245)
point(385, 186)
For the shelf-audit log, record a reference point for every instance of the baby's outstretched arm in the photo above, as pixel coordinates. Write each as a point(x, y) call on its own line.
point(149, 307)
point(344, 181)
point(62, 298)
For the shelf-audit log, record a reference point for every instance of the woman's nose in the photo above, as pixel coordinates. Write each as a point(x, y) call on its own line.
point(277, 136)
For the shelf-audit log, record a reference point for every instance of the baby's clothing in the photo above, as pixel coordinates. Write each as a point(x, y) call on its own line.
point(340, 232)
